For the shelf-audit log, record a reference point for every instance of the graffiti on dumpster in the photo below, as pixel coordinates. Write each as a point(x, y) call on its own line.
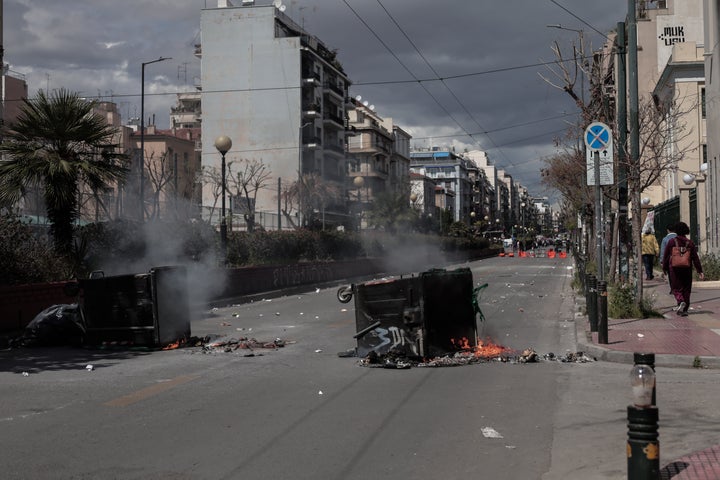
point(399, 339)
point(300, 274)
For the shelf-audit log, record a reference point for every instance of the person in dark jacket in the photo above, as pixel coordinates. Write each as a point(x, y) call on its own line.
point(681, 277)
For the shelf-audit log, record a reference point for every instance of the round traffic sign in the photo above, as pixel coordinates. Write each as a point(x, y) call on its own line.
point(597, 136)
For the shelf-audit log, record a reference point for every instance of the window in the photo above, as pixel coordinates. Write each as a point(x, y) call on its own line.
point(702, 101)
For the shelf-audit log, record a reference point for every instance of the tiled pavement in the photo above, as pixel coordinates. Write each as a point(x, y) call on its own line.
point(702, 465)
point(676, 341)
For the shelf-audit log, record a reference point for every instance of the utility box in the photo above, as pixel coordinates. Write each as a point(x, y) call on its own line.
point(420, 316)
point(149, 309)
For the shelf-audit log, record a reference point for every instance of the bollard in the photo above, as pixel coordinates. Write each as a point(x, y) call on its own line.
point(643, 447)
point(649, 360)
point(602, 313)
point(592, 303)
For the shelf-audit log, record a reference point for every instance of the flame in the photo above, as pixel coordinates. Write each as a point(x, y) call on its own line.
point(484, 349)
point(177, 344)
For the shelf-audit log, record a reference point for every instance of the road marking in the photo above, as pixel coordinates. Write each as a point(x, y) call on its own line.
point(148, 392)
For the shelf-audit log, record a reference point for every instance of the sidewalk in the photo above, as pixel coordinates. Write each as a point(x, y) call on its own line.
point(692, 341)
point(676, 341)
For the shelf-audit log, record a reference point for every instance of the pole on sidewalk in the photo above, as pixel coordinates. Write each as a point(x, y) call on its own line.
point(602, 306)
point(643, 447)
point(592, 304)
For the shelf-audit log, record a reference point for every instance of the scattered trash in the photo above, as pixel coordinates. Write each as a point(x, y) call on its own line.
point(489, 432)
point(236, 315)
point(318, 351)
point(57, 325)
point(640, 335)
point(26, 374)
point(320, 392)
point(317, 290)
point(89, 368)
point(225, 324)
point(277, 314)
point(343, 309)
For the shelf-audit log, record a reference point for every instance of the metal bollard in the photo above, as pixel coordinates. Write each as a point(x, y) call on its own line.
point(592, 303)
point(649, 360)
point(643, 447)
point(602, 312)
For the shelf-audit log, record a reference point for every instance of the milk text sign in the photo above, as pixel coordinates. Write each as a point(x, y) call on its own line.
point(598, 139)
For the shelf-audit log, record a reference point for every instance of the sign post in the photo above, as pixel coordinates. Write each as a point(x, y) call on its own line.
point(598, 138)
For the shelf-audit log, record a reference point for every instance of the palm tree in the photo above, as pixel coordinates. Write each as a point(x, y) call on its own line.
point(59, 146)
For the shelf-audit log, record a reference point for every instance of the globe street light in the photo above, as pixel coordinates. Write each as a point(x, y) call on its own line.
point(359, 182)
point(142, 134)
point(223, 145)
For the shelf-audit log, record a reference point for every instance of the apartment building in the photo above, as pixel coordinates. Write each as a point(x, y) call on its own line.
point(281, 96)
point(378, 153)
point(452, 174)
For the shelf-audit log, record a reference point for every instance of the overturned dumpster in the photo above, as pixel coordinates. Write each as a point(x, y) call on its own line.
point(428, 315)
point(149, 309)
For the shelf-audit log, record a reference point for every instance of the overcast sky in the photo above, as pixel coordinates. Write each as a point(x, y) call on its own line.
point(477, 61)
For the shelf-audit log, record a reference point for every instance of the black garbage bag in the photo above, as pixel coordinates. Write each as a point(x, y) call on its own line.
point(59, 325)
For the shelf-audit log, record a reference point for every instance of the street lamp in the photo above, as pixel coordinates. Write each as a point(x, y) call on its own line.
point(142, 134)
point(689, 178)
point(359, 182)
point(582, 55)
point(223, 145)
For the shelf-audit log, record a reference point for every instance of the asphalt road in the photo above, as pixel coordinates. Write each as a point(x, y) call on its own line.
point(302, 412)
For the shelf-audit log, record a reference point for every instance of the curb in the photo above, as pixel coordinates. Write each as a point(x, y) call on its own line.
point(604, 354)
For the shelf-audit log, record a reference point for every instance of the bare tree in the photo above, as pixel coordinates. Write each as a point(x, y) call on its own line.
point(251, 176)
point(310, 193)
point(211, 176)
point(661, 127)
point(160, 176)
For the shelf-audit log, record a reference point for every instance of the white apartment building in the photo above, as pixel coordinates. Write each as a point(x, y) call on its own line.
point(280, 95)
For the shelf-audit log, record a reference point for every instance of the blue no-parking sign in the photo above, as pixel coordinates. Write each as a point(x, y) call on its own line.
point(598, 136)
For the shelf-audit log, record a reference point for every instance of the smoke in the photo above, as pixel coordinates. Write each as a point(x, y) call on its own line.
point(138, 248)
point(403, 254)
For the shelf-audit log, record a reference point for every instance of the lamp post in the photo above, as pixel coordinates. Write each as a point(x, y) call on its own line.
point(582, 56)
point(223, 145)
point(700, 229)
point(142, 134)
point(359, 182)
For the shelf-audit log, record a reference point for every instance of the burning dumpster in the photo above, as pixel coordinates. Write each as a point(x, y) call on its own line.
point(149, 309)
point(419, 316)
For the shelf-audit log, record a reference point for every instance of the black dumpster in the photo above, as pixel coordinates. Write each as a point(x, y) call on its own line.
point(149, 309)
point(419, 316)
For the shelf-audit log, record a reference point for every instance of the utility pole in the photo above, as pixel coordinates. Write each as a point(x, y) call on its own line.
point(622, 160)
point(633, 127)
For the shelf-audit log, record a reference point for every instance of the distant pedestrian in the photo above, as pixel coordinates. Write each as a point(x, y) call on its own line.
point(681, 277)
point(650, 249)
point(670, 228)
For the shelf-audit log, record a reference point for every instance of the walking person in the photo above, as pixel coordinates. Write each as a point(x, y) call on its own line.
point(650, 249)
point(680, 275)
point(670, 228)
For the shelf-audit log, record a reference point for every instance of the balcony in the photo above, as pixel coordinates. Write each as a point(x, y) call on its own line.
point(334, 119)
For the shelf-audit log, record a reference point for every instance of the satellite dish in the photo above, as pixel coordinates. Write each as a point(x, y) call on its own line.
point(282, 8)
point(366, 103)
point(279, 5)
point(372, 107)
point(358, 98)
